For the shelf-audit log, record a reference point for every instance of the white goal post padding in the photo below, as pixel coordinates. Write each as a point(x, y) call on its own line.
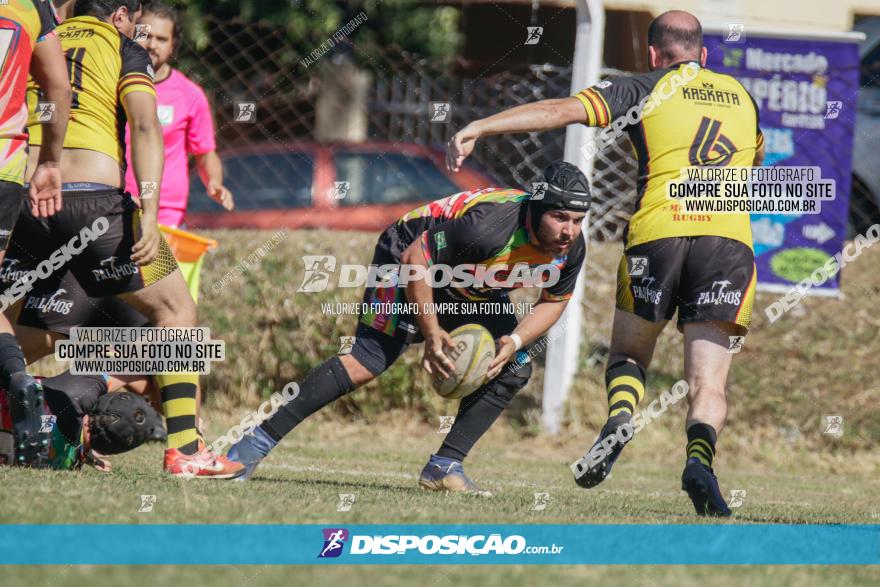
point(565, 337)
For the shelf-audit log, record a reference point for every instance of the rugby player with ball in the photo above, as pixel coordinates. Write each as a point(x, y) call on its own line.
point(484, 228)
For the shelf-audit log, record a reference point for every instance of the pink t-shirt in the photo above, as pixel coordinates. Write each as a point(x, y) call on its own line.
point(185, 116)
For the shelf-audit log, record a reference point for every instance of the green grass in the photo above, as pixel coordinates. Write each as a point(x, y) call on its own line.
point(302, 480)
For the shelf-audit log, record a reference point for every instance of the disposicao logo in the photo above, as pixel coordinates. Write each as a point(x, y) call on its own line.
point(334, 540)
point(409, 544)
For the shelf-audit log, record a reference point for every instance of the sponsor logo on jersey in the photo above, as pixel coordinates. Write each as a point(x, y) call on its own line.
point(76, 34)
point(10, 271)
point(719, 294)
point(54, 303)
point(709, 95)
point(165, 112)
point(110, 270)
point(646, 292)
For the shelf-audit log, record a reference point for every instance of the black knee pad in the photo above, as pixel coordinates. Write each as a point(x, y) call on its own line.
point(513, 377)
point(374, 350)
point(337, 369)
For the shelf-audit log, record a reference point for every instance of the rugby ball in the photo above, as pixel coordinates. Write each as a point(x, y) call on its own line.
point(472, 353)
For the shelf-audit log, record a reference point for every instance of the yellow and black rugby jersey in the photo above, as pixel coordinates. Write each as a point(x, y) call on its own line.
point(709, 120)
point(104, 66)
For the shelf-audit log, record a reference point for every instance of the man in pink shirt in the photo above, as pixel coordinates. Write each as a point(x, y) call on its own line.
point(185, 116)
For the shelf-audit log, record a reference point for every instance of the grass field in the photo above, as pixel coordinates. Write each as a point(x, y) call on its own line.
point(302, 481)
point(817, 360)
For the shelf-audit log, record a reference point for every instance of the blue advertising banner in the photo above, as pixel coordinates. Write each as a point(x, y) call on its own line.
point(432, 544)
point(806, 90)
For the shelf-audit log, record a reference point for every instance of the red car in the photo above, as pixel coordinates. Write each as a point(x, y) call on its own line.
point(343, 186)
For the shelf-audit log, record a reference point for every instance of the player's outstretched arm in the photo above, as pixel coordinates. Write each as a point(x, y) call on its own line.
point(418, 291)
point(49, 69)
point(148, 160)
point(537, 116)
point(542, 318)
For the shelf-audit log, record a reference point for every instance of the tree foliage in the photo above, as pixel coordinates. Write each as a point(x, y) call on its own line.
point(431, 31)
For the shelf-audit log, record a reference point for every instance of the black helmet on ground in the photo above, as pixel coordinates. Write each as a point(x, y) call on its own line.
point(121, 421)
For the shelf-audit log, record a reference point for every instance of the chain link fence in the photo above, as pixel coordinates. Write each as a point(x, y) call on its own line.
point(253, 62)
point(239, 62)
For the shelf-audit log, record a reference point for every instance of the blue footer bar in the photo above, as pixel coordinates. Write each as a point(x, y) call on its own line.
point(440, 544)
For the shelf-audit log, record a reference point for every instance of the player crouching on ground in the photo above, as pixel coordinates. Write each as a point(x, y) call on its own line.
point(89, 422)
point(488, 227)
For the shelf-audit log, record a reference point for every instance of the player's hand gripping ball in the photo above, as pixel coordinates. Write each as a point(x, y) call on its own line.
point(472, 352)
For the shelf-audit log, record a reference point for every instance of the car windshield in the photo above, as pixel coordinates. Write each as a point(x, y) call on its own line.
point(389, 178)
point(260, 181)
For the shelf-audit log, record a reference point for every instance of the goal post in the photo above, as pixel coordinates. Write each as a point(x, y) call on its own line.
point(564, 338)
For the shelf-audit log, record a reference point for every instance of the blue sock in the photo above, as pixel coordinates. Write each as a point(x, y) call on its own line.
point(438, 460)
point(251, 449)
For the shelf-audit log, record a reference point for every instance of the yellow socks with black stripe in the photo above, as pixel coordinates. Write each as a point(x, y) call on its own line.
point(625, 383)
point(179, 406)
point(701, 443)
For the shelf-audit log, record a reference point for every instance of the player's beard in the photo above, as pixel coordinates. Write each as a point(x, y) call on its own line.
point(553, 244)
point(154, 59)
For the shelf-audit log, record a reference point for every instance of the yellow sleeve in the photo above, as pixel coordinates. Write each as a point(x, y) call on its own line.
point(135, 82)
point(598, 113)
